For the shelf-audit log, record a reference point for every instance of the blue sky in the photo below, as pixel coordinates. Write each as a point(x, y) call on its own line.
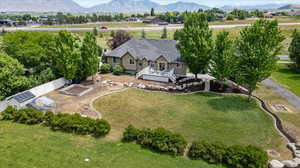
point(211, 3)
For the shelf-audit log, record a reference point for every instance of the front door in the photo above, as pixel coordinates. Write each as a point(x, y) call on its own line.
point(162, 66)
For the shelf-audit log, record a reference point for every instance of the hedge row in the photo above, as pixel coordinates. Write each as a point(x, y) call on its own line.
point(63, 122)
point(231, 156)
point(159, 140)
point(107, 68)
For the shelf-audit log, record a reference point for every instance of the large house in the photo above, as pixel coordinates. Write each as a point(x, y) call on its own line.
point(149, 59)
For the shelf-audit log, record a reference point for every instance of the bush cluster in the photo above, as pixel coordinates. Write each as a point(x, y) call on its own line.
point(118, 70)
point(159, 140)
point(231, 156)
point(62, 122)
point(105, 68)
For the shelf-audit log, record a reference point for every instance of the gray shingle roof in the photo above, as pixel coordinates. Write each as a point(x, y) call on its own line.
point(150, 49)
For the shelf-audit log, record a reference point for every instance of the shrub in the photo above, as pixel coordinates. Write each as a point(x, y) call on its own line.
point(28, 116)
point(210, 152)
point(118, 70)
point(131, 134)
point(105, 68)
point(159, 140)
point(101, 128)
point(79, 125)
point(48, 118)
point(233, 156)
point(8, 113)
point(246, 157)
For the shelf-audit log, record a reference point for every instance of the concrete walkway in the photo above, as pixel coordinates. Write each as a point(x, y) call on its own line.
point(283, 92)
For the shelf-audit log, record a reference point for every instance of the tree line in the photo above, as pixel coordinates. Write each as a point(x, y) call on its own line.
point(247, 60)
point(28, 59)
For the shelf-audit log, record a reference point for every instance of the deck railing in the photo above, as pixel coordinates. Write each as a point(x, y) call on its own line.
point(151, 71)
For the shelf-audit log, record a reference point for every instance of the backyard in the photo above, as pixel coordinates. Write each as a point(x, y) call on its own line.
point(37, 146)
point(201, 116)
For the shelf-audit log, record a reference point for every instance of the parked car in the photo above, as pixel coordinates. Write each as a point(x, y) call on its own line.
point(103, 28)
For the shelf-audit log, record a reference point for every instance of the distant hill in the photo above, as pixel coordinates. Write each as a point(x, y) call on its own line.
point(253, 7)
point(131, 6)
point(290, 6)
point(39, 6)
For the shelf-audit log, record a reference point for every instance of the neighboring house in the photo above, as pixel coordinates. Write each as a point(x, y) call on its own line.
point(152, 20)
point(151, 59)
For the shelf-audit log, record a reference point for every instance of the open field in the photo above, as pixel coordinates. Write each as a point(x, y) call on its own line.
point(203, 116)
point(287, 78)
point(106, 24)
point(23, 146)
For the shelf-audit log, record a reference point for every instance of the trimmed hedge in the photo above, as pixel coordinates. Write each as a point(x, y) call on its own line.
point(159, 140)
point(231, 156)
point(105, 68)
point(63, 122)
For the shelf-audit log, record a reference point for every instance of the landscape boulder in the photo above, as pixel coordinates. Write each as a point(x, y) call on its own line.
point(275, 164)
point(290, 163)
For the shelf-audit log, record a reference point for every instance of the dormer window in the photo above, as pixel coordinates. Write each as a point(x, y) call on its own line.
point(131, 61)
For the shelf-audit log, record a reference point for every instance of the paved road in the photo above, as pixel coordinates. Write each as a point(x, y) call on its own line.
point(283, 92)
point(132, 28)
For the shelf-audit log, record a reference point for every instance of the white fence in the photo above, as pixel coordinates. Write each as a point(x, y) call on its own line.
point(37, 91)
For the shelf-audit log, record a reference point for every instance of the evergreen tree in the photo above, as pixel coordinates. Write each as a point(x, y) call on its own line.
point(95, 31)
point(165, 33)
point(143, 35)
point(152, 12)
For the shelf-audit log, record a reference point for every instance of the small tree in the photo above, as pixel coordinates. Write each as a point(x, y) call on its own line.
point(143, 35)
point(118, 38)
point(195, 42)
point(165, 33)
point(152, 12)
point(258, 46)
point(95, 31)
point(223, 57)
point(294, 49)
point(89, 56)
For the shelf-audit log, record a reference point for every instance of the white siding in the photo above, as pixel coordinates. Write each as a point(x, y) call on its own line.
point(156, 78)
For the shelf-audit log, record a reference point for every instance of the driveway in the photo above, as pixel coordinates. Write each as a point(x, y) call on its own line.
point(283, 92)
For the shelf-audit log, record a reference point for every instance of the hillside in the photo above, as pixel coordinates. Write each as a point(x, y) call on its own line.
point(131, 6)
point(290, 6)
point(39, 6)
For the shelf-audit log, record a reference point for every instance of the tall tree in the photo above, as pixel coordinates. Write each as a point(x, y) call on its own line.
point(89, 56)
point(118, 38)
point(32, 49)
point(195, 42)
point(11, 76)
point(95, 31)
point(165, 33)
point(68, 54)
point(222, 62)
point(258, 46)
point(143, 35)
point(294, 49)
point(152, 12)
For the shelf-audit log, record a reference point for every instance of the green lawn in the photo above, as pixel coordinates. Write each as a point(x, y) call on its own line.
point(202, 116)
point(287, 78)
point(106, 24)
point(23, 146)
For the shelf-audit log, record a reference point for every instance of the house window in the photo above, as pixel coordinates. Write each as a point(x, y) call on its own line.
point(162, 66)
point(114, 59)
point(131, 61)
point(177, 65)
point(140, 64)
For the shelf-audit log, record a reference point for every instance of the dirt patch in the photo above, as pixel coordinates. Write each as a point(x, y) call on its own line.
point(77, 90)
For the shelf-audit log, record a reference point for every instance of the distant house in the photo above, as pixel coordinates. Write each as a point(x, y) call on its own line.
point(132, 19)
point(150, 59)
point(268, 15)
point(152, 20)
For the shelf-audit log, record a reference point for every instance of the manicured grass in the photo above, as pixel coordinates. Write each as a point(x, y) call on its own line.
point(23, 146)
point(201, 116)
point(287, 78)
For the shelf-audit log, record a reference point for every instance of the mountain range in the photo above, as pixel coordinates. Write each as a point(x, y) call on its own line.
point(117, 6)
point(124, 6)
